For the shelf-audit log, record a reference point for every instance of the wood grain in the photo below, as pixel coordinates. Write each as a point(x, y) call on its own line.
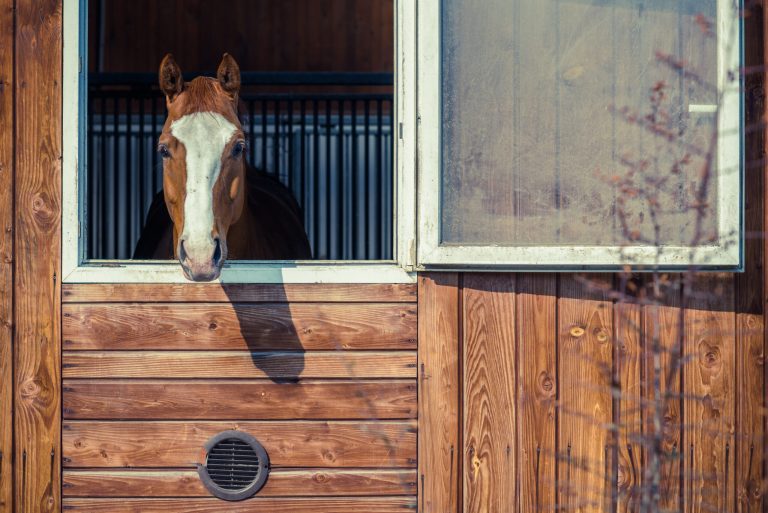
point(238, 293)
point(281, 483)
point(289, 444)
point(6, 255)
point(537, 385)
point(439, 389)
point(663, 333)
point(254, 505)
point(238, 364)
point(489, 368)
point(325, 36)
point(585, 347)
point(246, 400)
point(239, 326)
point(37, 398)
point(628, 358)
point(750, 287)
point(709, 385)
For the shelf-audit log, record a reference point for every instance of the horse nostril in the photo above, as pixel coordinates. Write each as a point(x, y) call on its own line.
point(182, 252)
point(217, 252)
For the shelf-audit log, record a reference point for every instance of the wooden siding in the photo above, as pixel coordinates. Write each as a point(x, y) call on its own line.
point(554, 394)
point(326, 382)
point(37, 245)
point(6, 254)
point(264, 35)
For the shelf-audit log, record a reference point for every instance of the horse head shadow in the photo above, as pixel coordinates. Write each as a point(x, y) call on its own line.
point(268, 330)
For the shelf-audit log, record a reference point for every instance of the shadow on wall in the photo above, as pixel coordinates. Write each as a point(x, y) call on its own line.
point(269, 332)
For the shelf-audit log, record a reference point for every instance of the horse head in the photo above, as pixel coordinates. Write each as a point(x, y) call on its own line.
point(204, 170)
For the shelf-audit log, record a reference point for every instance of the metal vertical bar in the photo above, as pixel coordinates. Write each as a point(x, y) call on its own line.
point(340, 224)
point(366, 177)
point(380, 182)
point(113, 230)
point(142, 163)
point(353, 184)
point(328, 178)
point(316, 182)
point(390, 197)
point(276, 150)
point(264, 135)
point(303, 158)
point(290, 172)
point(103, 181)
point(130, 191)
point(155, 168)
point(91, 183)
point(251, 133)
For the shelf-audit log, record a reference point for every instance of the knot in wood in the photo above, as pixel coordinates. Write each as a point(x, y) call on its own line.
point(30, 389)
point(577, 331)
point(601, 335)
point(42, 209)
point(320, 477)
point(546, 383)
point(710, 357)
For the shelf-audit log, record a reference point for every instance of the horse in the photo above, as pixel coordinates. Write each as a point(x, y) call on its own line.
point(214, 205)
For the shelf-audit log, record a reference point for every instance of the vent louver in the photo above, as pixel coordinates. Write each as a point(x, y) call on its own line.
point(236, 466)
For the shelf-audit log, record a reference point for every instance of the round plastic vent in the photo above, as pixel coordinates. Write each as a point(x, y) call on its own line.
point(236, 466)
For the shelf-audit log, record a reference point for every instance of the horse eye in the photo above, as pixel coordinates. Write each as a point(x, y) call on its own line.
point(163, 151)
point(238, 149)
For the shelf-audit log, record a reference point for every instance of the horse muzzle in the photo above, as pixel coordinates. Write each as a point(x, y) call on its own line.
point(202, 262)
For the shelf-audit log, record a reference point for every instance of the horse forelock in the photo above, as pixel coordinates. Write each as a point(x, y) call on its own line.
point(203, 94)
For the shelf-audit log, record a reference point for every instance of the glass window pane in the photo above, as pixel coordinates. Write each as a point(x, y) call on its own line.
point(579, 122)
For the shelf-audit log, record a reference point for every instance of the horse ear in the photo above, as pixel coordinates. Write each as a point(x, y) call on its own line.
point(229, 75)
point(171, 81)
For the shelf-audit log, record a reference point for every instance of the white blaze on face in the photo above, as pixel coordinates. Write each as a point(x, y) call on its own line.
point(204, 136)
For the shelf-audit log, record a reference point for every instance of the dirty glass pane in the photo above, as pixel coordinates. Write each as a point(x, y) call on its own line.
point(579, 122)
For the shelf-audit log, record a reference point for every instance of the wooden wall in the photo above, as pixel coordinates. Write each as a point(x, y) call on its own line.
point(263, 35)
point(536, 394)
point(324, 376)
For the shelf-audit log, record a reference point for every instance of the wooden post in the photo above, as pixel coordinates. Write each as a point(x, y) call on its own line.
point(6, 255)
point(439, 390)
point(37, 393)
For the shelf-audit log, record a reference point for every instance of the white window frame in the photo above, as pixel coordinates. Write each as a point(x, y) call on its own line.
point(75, 269)
point(724, 254)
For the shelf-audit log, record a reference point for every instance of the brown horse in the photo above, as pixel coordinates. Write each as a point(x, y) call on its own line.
point(219, 206)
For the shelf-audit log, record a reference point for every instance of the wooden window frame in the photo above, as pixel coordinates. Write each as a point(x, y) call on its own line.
point(724, 254)
point(75, 267)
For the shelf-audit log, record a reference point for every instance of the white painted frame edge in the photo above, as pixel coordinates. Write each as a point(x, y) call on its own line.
point(75, 270)
point(724, 254)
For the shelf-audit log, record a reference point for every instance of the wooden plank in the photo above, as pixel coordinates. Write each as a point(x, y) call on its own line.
point(709, 384)
point(327, 35)
point(281, 483)
point(289, 444)
point(663, 332)
point(37, 327)
point(238, 293)
point(439, 389)
point(585, 348)
point(489, 410)
point(238, 326)
point(537, 385)
point(6, 255)
point(628, 413)
point(238, 364)
point(750, 289)
point(246, 400)
point(255, 505)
